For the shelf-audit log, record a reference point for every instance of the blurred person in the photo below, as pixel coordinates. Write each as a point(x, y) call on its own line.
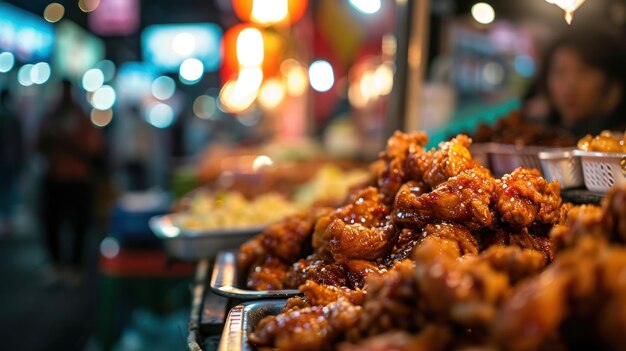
point(71, 146)
point(10, 162)
point(582, 84)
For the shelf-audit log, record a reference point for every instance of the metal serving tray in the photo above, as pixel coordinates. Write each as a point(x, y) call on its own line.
point(192, 245)
point(227, 281)
point(241, 321)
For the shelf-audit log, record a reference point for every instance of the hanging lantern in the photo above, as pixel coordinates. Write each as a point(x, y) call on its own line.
point(569, 6)
point(270, 12)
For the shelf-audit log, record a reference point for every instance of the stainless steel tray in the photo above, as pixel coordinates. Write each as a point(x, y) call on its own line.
point(192, 245)
point(241, 321)
point(227, 281)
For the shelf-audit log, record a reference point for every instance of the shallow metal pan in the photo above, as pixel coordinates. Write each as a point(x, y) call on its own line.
point(241, 321)
point(192, 245)
point(228, 281)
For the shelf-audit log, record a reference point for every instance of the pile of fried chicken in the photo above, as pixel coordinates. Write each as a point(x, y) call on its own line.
point(436, 254)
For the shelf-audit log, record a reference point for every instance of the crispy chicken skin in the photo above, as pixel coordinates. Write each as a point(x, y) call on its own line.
point(524, 197)
point(464, 199)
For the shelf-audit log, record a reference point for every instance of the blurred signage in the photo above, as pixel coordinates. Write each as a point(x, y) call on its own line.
point(115, 17)
point(29, 37)
point(167, 46)
point(76, 51)
point(134, 80)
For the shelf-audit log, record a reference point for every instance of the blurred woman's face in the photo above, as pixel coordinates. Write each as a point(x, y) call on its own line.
point(577, 90)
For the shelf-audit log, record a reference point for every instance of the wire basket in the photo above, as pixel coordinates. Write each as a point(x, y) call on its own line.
point(505, 158)
point(561, 165)
point(602, 170)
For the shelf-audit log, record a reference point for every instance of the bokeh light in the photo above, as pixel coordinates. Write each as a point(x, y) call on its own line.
point(261, 161)
point(7, 60)
point(493, 73)
point(40, 73)
point(295, 75)
point(524, 66)
point(109, 247)
point(205, 107)
point(383, 77)
point(23, 75)
point(366, 6)
point(237, 96)
point(321, 76)
point(184, 44)
point(163, 88)
point(101, 118)
point(88, 5)
point(93, 79)
point(160, 115)
point(53, 12)
point(483, 13)
point(108, 69)
point(271, 94)
point(191, 71)
point(103, 98)
point(250, 47)
point(268, 12)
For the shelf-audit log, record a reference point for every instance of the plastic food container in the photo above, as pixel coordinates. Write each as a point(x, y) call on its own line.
point(602, 170)
point(563, 166)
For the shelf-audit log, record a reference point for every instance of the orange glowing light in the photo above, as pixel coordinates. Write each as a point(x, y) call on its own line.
point(270, 12)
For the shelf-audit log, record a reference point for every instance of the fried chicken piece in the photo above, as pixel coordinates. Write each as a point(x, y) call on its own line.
point(295, 303)
point(288, 239)
point(524, 197)
point(466, 291)
point(403, 249)
point(431, 338)
point(578, 298)
point(315, 269)
point(391, 303)
point(519, 238)
point(467, 243)
point(581, 221)
point(355, 241)
point(518, 263)
point(463, 199)
point(268, 276)
point(614, 213)
point(321, 295)
point(396, 171)
point(313, 328)
point(357, 272)
point(449, 160)
point(365, 208)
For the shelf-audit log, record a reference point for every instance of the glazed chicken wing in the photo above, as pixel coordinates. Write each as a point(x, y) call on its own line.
point(524, 197)
point(270, 275)
point(463, 199)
